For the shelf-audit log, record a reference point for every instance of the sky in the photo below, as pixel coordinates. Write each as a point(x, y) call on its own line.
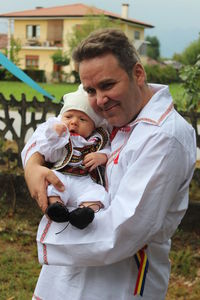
point(177, 22)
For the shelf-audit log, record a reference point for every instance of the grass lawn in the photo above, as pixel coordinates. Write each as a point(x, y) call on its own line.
point(57, 90)
point(20, 268)
point(17, 88)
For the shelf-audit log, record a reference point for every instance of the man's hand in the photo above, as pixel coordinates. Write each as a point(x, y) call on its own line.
point(38, 178)
point(95, 159)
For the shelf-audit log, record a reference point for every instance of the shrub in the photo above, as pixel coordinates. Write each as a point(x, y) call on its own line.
point(76, 76)
point(5, 75)
point(164, 75)
point(190, 76)
point(2, 73)
point(60, 58)
point(37, 75)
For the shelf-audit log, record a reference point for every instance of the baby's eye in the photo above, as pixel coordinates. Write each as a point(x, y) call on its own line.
point(83, 120)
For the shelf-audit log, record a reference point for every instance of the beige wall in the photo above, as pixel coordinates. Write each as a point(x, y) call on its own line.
point(130, 32)
point(67, 29)
point(20, 29)
point(45, 61)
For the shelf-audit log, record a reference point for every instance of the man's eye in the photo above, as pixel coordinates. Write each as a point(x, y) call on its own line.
point(90, 91)
point(107, 86)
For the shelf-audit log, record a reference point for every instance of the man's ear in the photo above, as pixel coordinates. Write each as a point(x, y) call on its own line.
point(139, 74)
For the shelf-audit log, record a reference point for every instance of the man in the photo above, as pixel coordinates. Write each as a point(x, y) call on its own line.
point(123, 254)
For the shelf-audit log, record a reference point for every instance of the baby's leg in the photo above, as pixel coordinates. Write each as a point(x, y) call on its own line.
point(57, 210)
point(54, 199)
point(54, 195)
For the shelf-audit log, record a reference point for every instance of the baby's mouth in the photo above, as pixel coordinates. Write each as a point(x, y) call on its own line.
point(72, 131)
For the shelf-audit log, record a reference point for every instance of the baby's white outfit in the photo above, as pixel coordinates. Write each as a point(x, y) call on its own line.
point(66, 152)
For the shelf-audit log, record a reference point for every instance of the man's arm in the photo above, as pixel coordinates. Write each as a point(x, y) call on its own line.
point(149, 203)
point(38, 177)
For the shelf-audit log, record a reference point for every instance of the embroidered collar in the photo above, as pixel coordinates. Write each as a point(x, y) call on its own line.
point(158, 107)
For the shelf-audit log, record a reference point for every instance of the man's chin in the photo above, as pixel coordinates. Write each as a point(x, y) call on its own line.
point(115, 122)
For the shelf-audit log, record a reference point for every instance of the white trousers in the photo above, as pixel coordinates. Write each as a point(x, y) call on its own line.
point(78, 190)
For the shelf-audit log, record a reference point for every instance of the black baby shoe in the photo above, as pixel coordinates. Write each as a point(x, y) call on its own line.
point(57, 212)
point(81, 217)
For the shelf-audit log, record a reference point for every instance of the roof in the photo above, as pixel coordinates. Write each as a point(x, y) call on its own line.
point(74, 10)
point(3, 40)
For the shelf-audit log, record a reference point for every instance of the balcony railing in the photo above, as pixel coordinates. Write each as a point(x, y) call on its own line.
point(38, 43)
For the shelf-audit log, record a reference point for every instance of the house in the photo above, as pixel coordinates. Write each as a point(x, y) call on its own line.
point(43, 31)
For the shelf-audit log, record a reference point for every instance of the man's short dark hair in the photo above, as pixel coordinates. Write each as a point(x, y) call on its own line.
point(105, 41)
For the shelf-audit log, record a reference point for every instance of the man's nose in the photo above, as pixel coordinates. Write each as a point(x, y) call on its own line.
point(101, 98)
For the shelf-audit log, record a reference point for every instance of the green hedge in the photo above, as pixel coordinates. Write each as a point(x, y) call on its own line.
point(164, 75)
point(37, 75)
point(2, 73)
point(5, 75)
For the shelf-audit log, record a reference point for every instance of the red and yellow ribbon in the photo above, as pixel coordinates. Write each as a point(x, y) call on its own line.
point(142, 264)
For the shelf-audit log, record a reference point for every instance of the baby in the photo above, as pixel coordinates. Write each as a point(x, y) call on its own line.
point(76, 144)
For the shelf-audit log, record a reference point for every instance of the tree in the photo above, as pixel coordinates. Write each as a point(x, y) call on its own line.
point(60, 59)
point(91, 23)
point(190, 76)
point(15, 47)
point(153, 49)
point(189, 55)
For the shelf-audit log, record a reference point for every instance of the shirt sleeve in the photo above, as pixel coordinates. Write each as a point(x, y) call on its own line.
point(152, 191)
point(45, 141)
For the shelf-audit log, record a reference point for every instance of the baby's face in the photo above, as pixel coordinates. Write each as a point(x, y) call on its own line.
point(78, 122)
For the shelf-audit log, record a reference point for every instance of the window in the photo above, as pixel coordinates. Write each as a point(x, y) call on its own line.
point(136, 35)
point(32, 62)
point(32, 31)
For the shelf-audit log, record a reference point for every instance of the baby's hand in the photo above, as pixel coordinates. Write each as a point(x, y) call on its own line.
point(95, 159)
point(60, 128)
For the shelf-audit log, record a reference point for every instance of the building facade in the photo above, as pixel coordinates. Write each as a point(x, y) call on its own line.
point(43, 31)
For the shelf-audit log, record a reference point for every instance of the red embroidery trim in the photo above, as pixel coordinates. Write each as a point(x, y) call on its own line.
point(113, 133)
point(116, 129)
point(42, 239)
point(45, 254)
point(45, 231)
point(116, 159)
point(153, 121)
point(116, 152)
point(36, 298)
point(166, 113)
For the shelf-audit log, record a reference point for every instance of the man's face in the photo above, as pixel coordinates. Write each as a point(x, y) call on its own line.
point(112, 93)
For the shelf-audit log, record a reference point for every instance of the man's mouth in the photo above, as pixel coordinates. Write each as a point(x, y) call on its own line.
point(110, 107)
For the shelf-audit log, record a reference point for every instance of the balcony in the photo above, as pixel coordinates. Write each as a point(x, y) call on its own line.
point(35, 43)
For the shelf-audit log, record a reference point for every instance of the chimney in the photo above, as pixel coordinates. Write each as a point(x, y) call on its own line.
point(125, 10)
